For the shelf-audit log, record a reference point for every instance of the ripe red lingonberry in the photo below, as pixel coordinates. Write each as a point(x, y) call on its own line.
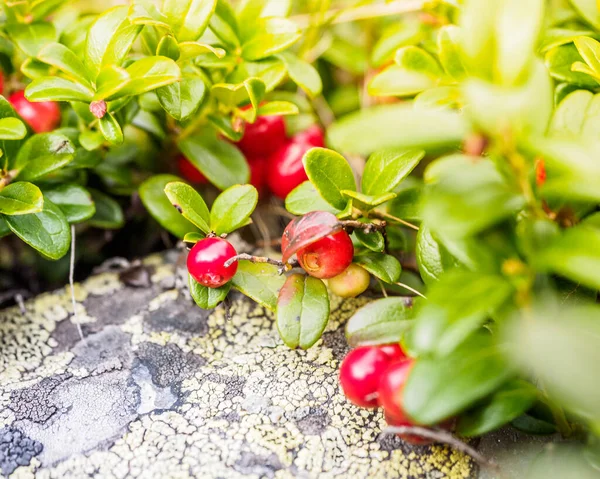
point(360, 373)
point(206, 262)
point(393, 351)
point(258, 174)
point(263, 137)
point(41, 116)
point(390, 388)
point(313, 135)
point(327, 257)
point(353, 281)
point(189, 171)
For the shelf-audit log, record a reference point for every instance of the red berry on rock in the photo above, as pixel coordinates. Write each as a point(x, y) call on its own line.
point(353, 281)
point(359, 375)
point(189, 171)
point(390, 389)
point(313, 135)
point(41, 116)
point(327, 257)
point(286, 170)
point(206, 262)
point(264, 136)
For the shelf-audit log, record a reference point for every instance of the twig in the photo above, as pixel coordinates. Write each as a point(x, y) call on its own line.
point(71, 281)
point(367, 227)
point(386, 216)
point(21, 303)
point(363, 12)
point(405, 286)
point(283, 267)
point(383, 291)
point(444, 437)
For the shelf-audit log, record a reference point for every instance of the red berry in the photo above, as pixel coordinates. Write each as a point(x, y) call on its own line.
point(206, 262)
point(286, 170)
point(359, 375)
point(258, 174)
point(263, 137)
point(42, 116)
point(540, 172)
point(390, 389)
point(189, 171)
point(394, 351)
point(328, 256)
point(313, 135)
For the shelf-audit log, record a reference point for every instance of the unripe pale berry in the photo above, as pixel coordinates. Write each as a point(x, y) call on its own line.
point(41, 116)
point(327, 257)
point(349, 284)
point(206, 262)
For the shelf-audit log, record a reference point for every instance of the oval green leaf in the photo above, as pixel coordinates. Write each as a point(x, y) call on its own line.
point(189, 203)
point(232, 208)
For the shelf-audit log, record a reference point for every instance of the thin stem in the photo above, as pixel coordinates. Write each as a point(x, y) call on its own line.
point(386, 216)
point(71, 281)
point(558, 414)
point(283, 267)
point(444, 437)
point(405, 286)
point(382, 286)
point(367, 227)
point(362, 13)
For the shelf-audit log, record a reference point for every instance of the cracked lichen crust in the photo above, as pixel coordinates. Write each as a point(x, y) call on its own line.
point(160, 388)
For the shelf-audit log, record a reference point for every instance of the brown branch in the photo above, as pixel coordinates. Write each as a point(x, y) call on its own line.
point(283, 267)
point(367, 227)
point(444, 437)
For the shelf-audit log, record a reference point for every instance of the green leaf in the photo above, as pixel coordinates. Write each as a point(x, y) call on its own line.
point(302, 311)
point(302, 73)
point(396, 126)
point(407, 204)
point(574, 254)
point(109, 214)
point(152, 194)
point(457, 305)
point(4, 229)
point(271, 71)
point(506, 404)
point(574, 111)
point(398, 34)
point(373, 241)
point(57, 89)
point(12, 129)
point(10, 148)
point(47, 231)
point(191, 50)
point(192, 238)
point(188, 18)
point(168, 47)
point(387, 168)
point(559, 61)
point(589, 10)
point(224, 125)
point(73, 200)
point(207, 298)
point(111, 80)
point(20, 198)
point(469, 197)
point(251, 89)
point(448, 42)
point(111, 130)
point(383, 321)
point(66, 61)
point(305, 198)
point(433, 258)
point(189, 203)
point(330, 173)
point(439, 388)
point(43, 154)
point(220, 161)
point(269, 36)
point(589, 49)
point(149, 74)
point(261, 282)
point(232, 208)
point(277, 108)
point(366, 202)
point(182, 99)
point(382, 266)
point(32, 37)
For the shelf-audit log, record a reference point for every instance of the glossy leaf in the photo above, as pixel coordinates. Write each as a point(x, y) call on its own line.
point(20, 198)
point(100, 35)
point(366, 202)
point(182, 99)
point(109, 214)
point(306, 230)
point(152, 194)
point(383, 266)
point(188, 18)
point(383, 321)
point(111, 80)
point(396, 126)
point(269, 36)
point(330, 173)
point(505, 405)
point(439, 388)
point(433, 258)
point(373, 241)
point(387, 168)
point(57, 89)
point(302, 311)
point(73, 200)
point(47, 232)
point(277, 108)
point(220, 161)
point(302, 73)
point(261, 282)
point(207, 298)
point(43, 154)
point(232, 208)
point(189, 203)
point(66, 60)
point(12, 129)
point(149, 74)
point(559, 62)
point(111, 130)
point(305, 198)
point(32, 37)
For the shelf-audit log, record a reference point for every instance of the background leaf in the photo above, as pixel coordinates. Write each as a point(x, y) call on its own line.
point(387, 168)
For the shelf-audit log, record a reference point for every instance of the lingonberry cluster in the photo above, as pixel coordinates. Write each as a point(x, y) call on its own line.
point(275, 160)
point(374, 376)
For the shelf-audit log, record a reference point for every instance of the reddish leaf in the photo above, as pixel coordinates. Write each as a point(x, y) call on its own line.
point(306, 230)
